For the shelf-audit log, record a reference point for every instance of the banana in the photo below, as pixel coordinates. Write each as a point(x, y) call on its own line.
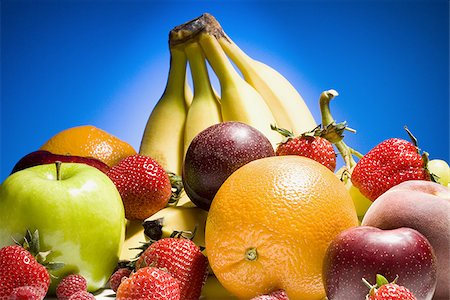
point(213, 289)
point(134, 237)
point(239, 100)
point(285, 102)
point(204, 110)
point(185, 220)
point(163, 136)
point(188, 95)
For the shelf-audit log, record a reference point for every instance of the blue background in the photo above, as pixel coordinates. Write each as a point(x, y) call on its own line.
point(105, 63)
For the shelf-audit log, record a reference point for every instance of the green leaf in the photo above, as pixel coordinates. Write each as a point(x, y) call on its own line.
point(381, 280)
point(51, 266)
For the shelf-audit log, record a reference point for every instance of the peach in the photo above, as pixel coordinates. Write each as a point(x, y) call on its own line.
point(425, 207)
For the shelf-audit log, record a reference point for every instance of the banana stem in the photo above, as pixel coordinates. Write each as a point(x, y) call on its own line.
point(327, 119)
point(199, 71)
point(177, 73)
point(217, 58)
point(239, 57)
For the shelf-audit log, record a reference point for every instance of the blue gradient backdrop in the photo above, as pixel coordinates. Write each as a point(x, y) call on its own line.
point(105, 63)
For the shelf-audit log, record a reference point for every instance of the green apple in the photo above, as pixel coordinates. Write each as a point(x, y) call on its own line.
point(79, 215)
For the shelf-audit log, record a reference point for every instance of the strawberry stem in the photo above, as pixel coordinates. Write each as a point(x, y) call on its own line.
point(177, 188)
point(412, 137)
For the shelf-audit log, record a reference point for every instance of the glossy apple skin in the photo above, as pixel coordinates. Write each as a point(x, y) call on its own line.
point(80, 218)
point(215, 153)
point(364, 251)
point(424, 206)
point(42, 157)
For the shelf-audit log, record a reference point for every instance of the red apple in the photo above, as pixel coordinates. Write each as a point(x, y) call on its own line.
point(364, 251)
point(424, 206)
point(42, 157)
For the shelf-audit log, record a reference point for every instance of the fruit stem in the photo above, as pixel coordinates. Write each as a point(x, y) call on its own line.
point(217, 58)
point(328, 120)
point(58, 170)
point(368, 284)
point(200, 78)
point(251, 254)
point(177, 72)
point(189, 30)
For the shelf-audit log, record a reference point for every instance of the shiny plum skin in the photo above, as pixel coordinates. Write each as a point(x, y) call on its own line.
point(215, 153)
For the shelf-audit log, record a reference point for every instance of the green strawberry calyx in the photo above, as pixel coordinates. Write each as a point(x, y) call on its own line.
point(31, 243)
point(380, 281)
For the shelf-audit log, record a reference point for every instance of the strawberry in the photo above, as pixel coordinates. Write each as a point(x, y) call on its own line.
point(69, 285)
point(18, 267)
point(117, 278)
point(149, 283)
point(391, 162)
point(383, 290)
point(143, 185)
point(183, 259)
point(82, 295)
point(275, 295)
point(308, 145)
point(28, 292)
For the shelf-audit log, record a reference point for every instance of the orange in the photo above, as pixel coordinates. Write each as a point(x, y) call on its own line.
point(89, 141)
point(270, 224)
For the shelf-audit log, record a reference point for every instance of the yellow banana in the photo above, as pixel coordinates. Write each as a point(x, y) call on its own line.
point(188, 95)
point(239, 100)
point(163, 135)
point(285, 102)
point(213, 290)
point(204, 110)
point(134, 237)
point(185, 220)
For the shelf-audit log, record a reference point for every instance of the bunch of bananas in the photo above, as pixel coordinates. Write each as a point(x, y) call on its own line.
point(260, 97)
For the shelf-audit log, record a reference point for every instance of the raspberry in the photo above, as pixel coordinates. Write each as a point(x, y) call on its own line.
point(117, 278)
point(70, 285)
point(82, 295)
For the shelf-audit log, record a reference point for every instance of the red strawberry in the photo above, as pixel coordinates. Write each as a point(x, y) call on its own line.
point(392, 291)
point(276, 295)
point(18, 267)
point(28, 292)
point(117, 278)
point(82, 295)
point(143, 185)
point(383, 290)
point(69, 285)
point(391, 162)
point(183, 260)
point(308, 145)
point(149, 283)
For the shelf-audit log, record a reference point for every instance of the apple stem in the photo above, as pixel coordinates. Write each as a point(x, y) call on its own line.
point(58, 170)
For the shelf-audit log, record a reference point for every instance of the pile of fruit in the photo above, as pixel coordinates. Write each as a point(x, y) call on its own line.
point(232, 195)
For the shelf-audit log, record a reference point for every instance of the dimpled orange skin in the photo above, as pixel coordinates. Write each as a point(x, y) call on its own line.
point(289, 209)
point(89, 141)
